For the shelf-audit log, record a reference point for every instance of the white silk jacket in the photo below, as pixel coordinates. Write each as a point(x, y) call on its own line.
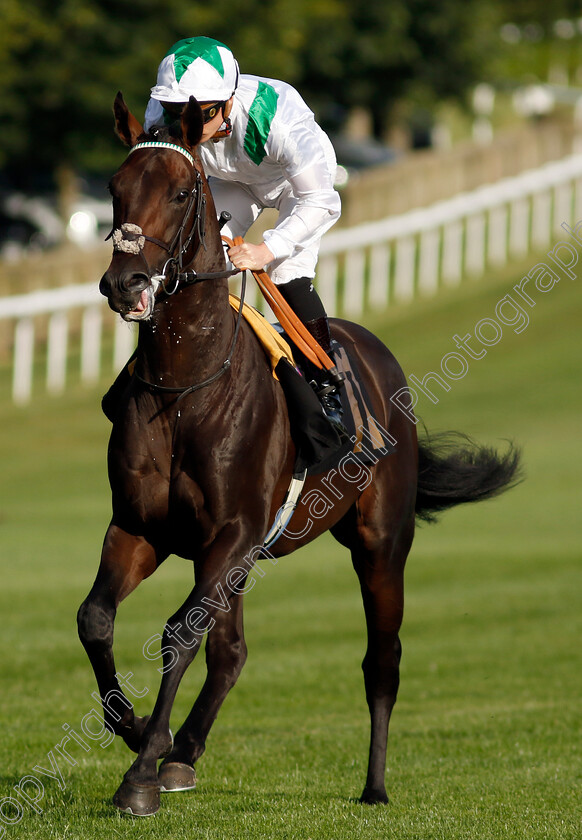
point(279, 153)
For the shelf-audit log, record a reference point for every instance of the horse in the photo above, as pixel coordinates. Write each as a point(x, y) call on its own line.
point(201, 455)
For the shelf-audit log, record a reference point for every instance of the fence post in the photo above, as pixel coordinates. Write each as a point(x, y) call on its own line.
point(379, 274)
point(519, 228)
point(91, 344)
point(56, 367)
point(428, 270)
point(563, 206)
point(541, 218)
point(452, 252)
point(497, 236)
point(404, 269)
point(23, 360)
point(354, 281)
point(475, 244)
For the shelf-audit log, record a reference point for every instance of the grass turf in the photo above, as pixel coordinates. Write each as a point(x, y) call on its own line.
point(485, 739)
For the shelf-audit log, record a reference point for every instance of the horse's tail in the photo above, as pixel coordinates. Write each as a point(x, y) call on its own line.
point(453, 469)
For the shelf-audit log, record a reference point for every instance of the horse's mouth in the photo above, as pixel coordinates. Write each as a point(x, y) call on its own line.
point(143, 309)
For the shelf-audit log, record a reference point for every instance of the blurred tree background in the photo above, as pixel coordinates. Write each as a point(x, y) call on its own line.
point(62, 64)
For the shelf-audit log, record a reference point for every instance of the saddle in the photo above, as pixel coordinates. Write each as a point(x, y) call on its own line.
point(319, 447)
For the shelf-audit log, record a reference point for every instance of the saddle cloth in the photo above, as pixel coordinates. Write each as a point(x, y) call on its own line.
point(270, 339)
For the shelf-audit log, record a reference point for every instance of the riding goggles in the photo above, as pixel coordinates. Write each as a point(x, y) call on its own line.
point(211, 111)
point(174, 109)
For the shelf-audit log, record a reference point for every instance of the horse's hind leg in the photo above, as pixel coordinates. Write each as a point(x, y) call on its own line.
point(126, 560)
point(379, 536)
point(225, 656)
point(381, 580)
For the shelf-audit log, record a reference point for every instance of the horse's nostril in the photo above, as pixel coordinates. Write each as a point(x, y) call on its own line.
point(135, 282)
point(105, 285)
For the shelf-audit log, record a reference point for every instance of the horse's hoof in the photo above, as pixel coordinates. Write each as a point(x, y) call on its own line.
point(175, 776)
point(137, 800)
point(374, 797)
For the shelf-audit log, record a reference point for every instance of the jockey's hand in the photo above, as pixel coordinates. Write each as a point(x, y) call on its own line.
point(253, 257)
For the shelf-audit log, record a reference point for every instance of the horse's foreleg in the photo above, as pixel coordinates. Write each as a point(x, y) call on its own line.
point(125, 561)
point(226, 654)
point(183, 634)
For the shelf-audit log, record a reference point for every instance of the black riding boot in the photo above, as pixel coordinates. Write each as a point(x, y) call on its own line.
point(307, 305)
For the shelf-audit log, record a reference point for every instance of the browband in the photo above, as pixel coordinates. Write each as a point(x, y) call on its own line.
point(159, 144)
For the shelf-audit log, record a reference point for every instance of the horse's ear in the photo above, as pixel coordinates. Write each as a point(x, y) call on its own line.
point(127, 126)
point(192, 123)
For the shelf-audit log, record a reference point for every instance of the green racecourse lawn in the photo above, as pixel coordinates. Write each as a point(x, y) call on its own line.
point(485, 739)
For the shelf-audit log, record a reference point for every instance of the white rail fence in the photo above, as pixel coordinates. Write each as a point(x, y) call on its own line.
point(370, 266)
point(395, 260)
point(58, 304)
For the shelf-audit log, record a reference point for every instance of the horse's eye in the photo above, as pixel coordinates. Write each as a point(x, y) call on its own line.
point(183, 195)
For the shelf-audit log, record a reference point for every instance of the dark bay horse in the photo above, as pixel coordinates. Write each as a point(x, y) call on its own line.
point(201, 456)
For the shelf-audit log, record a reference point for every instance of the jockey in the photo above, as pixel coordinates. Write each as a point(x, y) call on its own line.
point(260, 148)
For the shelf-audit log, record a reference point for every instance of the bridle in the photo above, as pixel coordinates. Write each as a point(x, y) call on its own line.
point(131, 239)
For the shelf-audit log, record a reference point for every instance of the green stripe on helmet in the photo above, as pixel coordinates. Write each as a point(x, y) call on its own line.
point(261, 115)
point(189, 49)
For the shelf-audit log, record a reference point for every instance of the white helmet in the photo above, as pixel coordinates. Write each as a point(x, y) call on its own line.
point(200, 67)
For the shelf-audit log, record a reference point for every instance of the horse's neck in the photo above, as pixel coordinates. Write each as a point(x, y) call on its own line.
point(188, 337)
